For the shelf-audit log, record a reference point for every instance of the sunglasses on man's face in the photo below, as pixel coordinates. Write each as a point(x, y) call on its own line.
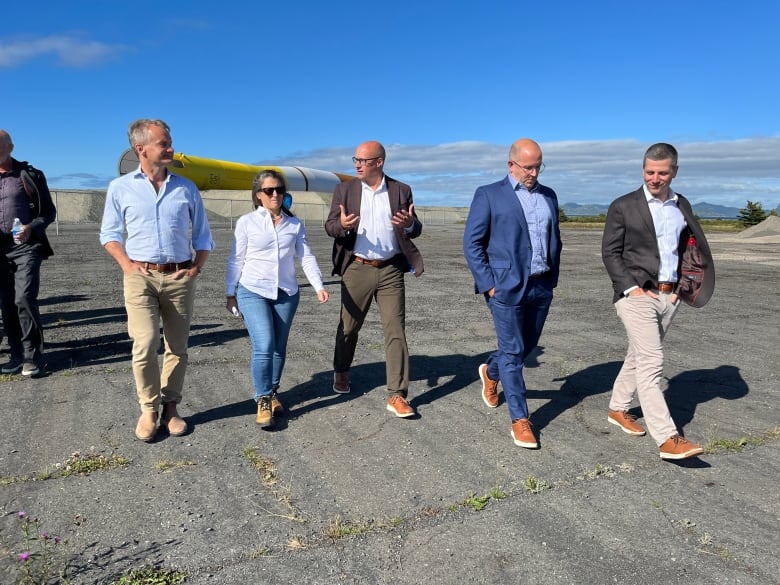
point(270, 190)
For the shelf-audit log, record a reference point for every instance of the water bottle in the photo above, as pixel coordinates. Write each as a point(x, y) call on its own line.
point(15, 229)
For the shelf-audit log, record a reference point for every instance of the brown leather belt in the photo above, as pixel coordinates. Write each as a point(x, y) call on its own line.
point(666, 287)
point(165, 268)
point(374, 263)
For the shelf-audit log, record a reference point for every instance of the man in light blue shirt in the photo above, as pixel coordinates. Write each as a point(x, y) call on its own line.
point(165, 220)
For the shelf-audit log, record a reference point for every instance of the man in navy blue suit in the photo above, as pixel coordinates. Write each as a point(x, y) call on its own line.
point(512, 244)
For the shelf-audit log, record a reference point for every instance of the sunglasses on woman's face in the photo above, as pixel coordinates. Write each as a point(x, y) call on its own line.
point(270, 190)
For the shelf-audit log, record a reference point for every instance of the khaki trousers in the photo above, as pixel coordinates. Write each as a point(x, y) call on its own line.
point(646, 321)
point(148, 300)
point(359, 285)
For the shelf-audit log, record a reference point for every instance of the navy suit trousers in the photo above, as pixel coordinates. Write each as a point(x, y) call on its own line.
point(518, 328)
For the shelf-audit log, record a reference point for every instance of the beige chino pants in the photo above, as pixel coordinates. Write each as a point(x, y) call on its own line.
point(646, 321)
point(149, 300)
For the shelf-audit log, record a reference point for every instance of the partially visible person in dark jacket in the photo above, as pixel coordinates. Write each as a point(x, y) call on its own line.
point(25, 195)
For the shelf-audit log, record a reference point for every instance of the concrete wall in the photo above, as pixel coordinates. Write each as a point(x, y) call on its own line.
point(224, 207)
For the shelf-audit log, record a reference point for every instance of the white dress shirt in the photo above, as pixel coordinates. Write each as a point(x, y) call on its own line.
point(262, 258)
point(669, 223)
point(375, 236)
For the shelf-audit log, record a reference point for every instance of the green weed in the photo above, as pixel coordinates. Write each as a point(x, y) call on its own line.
point(536, 485)
point(79, 464)
point(169, 465)
point(151, 576)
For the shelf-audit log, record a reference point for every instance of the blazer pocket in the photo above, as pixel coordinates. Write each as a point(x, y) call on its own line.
point(500, 264)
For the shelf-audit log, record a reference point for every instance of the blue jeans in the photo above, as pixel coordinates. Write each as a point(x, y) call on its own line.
point(268, 322)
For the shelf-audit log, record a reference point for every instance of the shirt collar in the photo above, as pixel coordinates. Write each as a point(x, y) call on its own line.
point(649, 196)
point(139, 173)
point(382, 186)
point(518, 186)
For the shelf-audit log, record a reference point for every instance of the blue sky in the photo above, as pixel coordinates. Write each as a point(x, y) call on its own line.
point(446, 86)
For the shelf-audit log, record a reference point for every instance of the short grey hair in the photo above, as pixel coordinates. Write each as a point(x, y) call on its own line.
point(138, 132)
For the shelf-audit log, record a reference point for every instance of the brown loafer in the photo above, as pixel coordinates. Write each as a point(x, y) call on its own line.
point(146, 427)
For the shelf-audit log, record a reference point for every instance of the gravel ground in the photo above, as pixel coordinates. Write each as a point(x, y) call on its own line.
point(342, 492)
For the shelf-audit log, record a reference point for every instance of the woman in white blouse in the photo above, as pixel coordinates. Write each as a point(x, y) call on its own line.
point(261, 284)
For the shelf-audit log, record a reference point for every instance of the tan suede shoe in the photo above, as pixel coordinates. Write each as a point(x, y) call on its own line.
point(171, 419)
point(146, 427)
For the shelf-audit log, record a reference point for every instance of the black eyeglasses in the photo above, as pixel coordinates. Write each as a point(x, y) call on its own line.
point(528, 170)
point(363, 161)
point(270, 190)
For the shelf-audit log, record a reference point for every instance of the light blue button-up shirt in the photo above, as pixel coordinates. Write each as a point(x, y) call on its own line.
point(539, 219)
point(161, 227)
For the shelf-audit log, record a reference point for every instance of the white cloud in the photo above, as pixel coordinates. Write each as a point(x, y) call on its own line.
point(725, 172)
point(71, 51)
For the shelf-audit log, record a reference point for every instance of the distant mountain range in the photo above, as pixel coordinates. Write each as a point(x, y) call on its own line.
point(703, 210)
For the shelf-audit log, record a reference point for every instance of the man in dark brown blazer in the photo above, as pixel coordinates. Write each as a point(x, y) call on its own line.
point(373, 222)
point(656, 255)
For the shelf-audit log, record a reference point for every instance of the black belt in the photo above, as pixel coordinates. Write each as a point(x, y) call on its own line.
point(666, 287)
point(374, 263)
point(165, 268)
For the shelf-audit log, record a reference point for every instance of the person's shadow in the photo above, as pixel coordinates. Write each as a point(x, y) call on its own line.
point(458, 371)
point(683, 394)
point(595, 379)
point(689, 389)
point(685, 391)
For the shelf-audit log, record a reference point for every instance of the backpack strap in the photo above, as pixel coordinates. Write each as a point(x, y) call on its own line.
point(30, 187)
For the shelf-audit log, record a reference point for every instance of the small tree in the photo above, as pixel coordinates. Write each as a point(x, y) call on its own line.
point(562, 217)
point(752, 214)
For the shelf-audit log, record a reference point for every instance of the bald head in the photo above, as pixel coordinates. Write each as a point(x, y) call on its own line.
point(524, 145)
point(6, 146)
point(373, 148)
point(369, 162)
point(525, 162)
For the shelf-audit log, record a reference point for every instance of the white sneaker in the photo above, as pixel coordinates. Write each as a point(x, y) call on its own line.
point(30, 369)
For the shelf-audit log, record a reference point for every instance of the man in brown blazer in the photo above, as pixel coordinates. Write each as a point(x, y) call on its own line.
point(373, 222)
point(656, 255)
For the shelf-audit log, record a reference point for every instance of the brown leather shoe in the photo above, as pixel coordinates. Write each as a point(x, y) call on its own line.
point(171, 419)
point(276, 405)
point(400, 407)
point(341, 382)
point(627, 422)
point(146, 427)
point(489, 387)
point(678, 447)
point(523, 434)
point(265, 415)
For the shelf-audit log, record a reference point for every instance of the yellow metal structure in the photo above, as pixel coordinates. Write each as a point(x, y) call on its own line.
point(209, 173)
